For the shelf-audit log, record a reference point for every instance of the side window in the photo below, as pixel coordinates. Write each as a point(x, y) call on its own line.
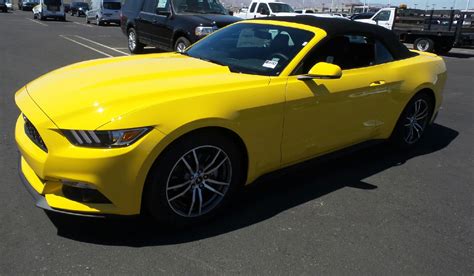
point(382, 16)
point(163, 5)
point(252, 8)
point(382, 55)
point(150, 6)
point(263, 8)
point(346, 51)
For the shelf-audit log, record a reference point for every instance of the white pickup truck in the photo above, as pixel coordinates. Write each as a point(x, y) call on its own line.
point(383, 17)
point(262, 8)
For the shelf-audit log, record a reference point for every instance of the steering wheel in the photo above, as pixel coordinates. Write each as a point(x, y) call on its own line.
point(279, 55)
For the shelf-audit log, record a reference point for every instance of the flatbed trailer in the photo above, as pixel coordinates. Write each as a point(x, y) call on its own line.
point(435, 31)
point(429, 30)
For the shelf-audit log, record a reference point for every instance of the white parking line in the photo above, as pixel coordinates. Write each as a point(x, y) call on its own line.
point(37, 22)
point(86, 46)
point(90, 26)
point(102, 45)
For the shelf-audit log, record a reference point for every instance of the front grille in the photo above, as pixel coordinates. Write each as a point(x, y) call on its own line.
point(33, 134)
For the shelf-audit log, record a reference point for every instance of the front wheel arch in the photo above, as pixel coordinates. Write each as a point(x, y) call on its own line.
point(225, 132)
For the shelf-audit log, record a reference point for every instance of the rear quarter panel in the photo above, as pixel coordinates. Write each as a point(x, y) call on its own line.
point(424, 71)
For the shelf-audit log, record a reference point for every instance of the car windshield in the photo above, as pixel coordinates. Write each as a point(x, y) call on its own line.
point(198, 6)
point(251, 48)
point(112, 5)
point(51, 2)
point(280, 7)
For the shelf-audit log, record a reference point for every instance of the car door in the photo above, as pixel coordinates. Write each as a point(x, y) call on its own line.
point(384, 18)
point(150, 25)
point(323, 115)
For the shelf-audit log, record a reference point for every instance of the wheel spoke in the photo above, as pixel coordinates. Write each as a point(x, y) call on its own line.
point(217, 167)
point(196, 160)
point(179, 185)
point(410, 134)
point(187, 165)
point(180, 194)
point(422, 115)
point(192, 202)
point(200, 200)
point(217, 182)
point(213, 160)
point(212, 189)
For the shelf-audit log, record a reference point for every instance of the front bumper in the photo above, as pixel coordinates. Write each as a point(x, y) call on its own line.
point(118, 174)
point(40, 200)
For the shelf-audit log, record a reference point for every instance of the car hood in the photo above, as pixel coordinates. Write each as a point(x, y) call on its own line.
point(89, 94)
point(220, 20)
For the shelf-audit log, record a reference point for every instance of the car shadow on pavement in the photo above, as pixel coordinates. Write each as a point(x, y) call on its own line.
point(266, 198)
point(458, 55)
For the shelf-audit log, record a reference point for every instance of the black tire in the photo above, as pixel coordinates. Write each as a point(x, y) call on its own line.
point(424, 44)
point(135, 46)
point(87, 21)
point(98, 22)
point(180, 42)
point(157, 192)
point(405, 124)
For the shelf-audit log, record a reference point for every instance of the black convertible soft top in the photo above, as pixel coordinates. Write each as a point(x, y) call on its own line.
point(336, 26)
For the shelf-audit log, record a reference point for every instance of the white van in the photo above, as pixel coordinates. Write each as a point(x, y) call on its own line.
point(49, 9)
point(104, 11)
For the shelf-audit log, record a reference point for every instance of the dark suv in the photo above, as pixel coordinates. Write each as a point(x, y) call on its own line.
point(79, 8)
point(171, 24)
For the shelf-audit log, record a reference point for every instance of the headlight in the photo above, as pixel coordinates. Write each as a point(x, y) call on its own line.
point(201, 31)
point(105, 138)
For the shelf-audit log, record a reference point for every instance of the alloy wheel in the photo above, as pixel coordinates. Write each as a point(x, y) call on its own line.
point(198, 181)
point(132, 41)
point(416, 122)
point(180, 47)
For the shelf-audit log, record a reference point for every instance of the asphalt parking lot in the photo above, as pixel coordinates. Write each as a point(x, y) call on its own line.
point(369, 212)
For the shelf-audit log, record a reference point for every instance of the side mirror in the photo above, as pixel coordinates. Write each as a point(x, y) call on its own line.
point(322, 70)
point(231, 13)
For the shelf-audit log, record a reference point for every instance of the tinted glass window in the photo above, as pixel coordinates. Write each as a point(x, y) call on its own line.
point(52, 2)
point(252, 8)
point(199, 6)
point(263, 8)
point(348, 52)
point(383, 16)
point(163, 5)
point(252, 48)
point(112, 5)
point(149, 6)
point(280, 7)
point(382, 55)
point(132, 5)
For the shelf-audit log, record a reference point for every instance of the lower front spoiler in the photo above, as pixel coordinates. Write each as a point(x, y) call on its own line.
point(41, 202)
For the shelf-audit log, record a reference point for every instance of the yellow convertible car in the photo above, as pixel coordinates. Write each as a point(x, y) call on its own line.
point(176, 134)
